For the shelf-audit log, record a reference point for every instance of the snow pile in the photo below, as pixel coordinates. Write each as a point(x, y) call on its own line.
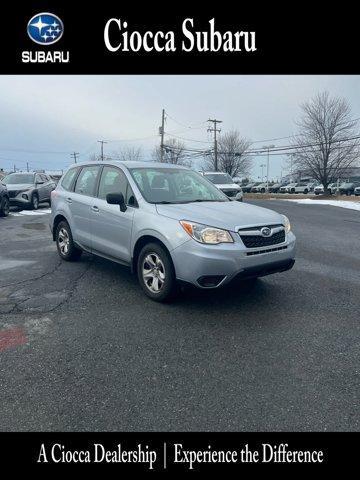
point(333, 203)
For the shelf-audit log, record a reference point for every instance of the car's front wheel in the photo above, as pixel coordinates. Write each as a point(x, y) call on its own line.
point(65, 243)
point(156, 273)
point(4, 207)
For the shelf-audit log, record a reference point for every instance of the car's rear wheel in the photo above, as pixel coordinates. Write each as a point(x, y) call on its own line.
point(34, 202)
point(156, 273)
point(65, 243)
point(4, 207)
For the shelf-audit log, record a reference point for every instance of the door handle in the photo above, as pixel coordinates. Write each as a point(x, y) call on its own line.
point(69, 200)
point(95, 208)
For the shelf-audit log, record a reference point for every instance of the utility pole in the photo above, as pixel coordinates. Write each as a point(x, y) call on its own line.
point(162, 132)
point(268, 147)
point(215, 131)
point(27, 166)
point(262, 171)
point(102, 149)
point(74, 155)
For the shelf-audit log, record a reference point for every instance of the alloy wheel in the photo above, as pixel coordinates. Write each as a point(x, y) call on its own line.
point(64, 241)
point(153, 272)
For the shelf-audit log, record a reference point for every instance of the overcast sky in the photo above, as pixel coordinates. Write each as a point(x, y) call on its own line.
point(44, 118)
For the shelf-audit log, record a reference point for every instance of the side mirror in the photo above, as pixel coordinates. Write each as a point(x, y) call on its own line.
point(116, 199)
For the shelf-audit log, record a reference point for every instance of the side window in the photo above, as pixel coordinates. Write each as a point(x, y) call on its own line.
point(38, 178)
point(86, 181)
point(68, 178)
point(113, 180)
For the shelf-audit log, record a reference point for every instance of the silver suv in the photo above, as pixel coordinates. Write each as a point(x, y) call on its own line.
point(168, 223)
point(27, 190)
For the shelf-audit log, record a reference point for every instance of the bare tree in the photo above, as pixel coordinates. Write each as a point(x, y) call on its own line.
point(232, 155)
point(127, 154)
point(326, 144)
point(174, 152)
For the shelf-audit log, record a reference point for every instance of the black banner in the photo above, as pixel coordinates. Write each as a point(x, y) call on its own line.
point(245, 39)
point(182, 452)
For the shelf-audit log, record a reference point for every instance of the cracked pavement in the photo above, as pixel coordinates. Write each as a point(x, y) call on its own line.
point(81, 347)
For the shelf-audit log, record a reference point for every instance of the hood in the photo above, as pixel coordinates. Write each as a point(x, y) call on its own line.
point(227, 186)
point(19, 186)
point(226, 215)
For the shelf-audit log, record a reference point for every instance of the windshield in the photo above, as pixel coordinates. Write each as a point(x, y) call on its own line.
point(15, 178)
point(171, 185)
point(219, 178)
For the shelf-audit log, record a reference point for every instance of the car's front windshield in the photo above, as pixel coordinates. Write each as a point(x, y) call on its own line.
point(219, 178)
point(175, 185)
point(14, 178)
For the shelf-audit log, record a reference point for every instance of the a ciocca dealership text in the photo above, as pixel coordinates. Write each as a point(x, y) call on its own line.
point(119, 37)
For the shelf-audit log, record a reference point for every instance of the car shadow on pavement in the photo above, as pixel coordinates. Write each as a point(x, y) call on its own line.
point(237, 294)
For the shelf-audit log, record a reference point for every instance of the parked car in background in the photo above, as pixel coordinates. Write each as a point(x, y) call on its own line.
point(275, 187)
point(27, 190)
point(247, 188)
point(4, 200)
point(320, 188)
point(301, 188)
point(287, 188)
point(225, 183)
point(138, 214)
point(260, 188)
point(348, 188)
point(357, 191)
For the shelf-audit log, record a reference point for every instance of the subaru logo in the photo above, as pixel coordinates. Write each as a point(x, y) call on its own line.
point(265, 232)
point(45, 28)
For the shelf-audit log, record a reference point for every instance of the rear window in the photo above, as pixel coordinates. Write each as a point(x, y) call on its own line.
point(69, 176)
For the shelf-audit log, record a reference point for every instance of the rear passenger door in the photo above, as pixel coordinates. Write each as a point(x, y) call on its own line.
point(81, 201)
point(111, 228)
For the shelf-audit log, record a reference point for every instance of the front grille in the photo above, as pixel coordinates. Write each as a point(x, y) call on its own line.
point(12, 193)
point(254, 241)
point(230, 193)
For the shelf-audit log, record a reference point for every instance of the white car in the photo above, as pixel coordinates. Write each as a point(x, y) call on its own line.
point(287, 188)
point(301, 188)
point(320, 188)
point(226, 184)
point(261, 188)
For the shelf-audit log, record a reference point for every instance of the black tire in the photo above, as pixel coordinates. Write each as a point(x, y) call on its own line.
point(306, 191)
point(4, 207)
point(34, 202)
point(166, 283)
point(292, 190)
point(63, 237)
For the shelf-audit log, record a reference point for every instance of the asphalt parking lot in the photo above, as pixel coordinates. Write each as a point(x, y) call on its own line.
point(81, 347)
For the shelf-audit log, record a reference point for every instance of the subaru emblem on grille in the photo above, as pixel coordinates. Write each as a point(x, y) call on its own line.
point(265, 232)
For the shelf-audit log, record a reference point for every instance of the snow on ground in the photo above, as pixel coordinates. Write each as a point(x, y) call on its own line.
point(333, 203)
point(42, 211)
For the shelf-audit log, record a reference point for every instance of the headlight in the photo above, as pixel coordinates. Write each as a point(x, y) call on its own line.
point(287, 224)
point(205, 234)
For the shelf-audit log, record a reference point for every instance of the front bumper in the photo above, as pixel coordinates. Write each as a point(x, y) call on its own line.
point(19, 202)
point(195, 262)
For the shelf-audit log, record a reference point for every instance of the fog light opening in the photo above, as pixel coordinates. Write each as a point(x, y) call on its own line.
point(210, 281)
